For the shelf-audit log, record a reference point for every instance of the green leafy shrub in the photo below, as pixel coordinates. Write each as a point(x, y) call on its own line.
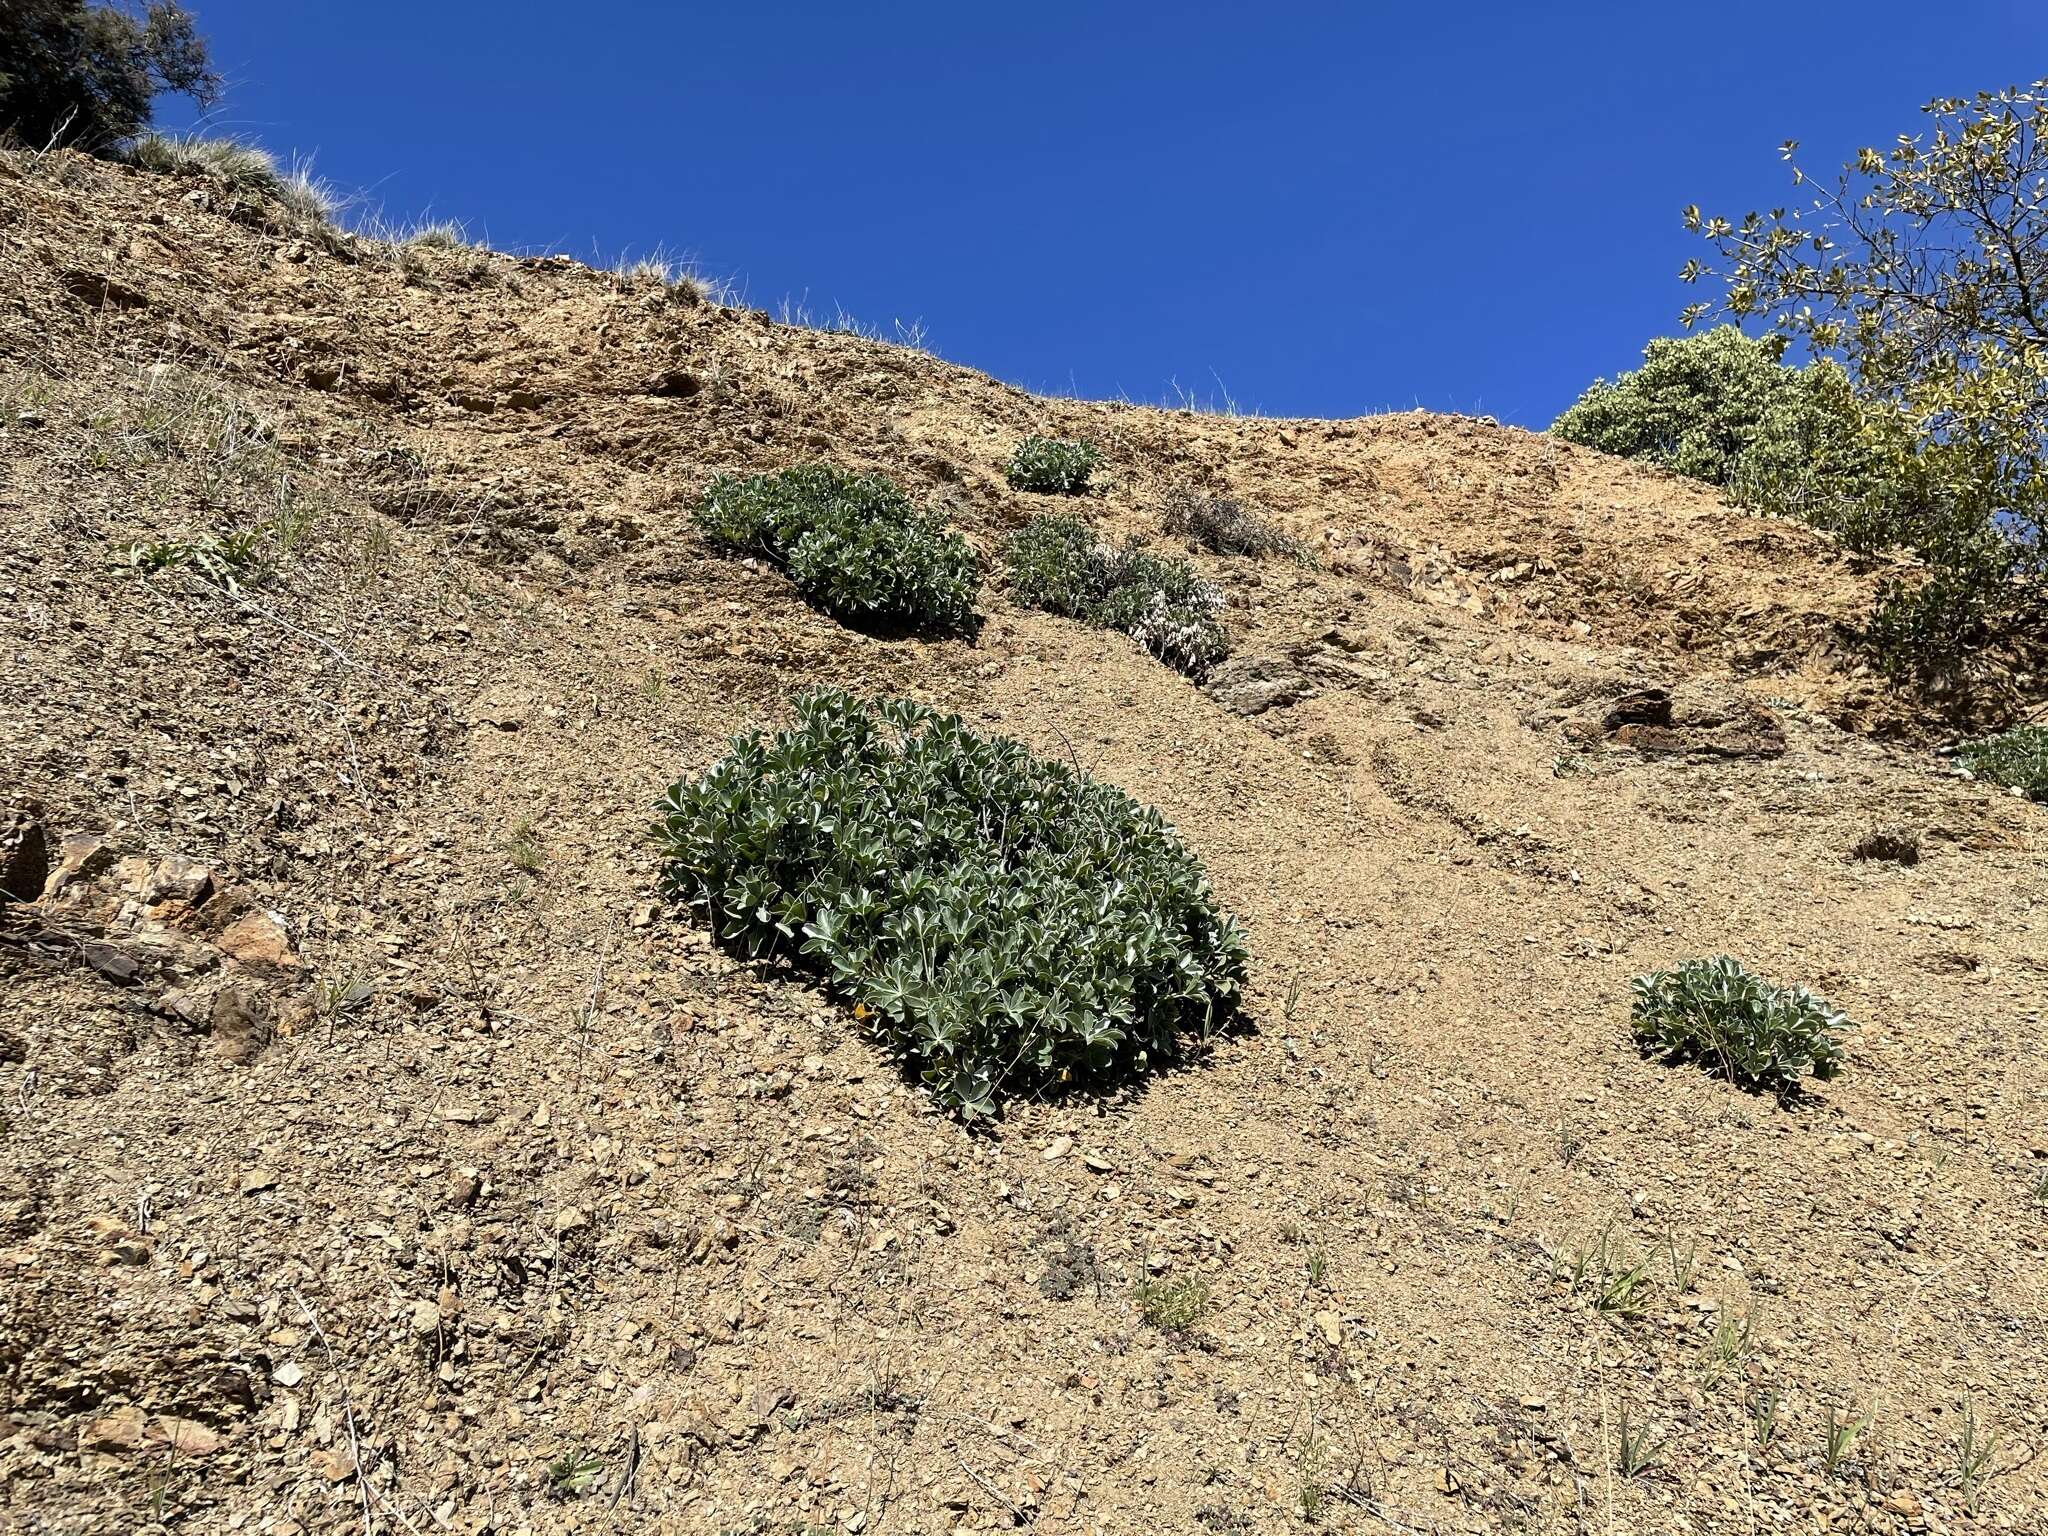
point(1225, 526)
point(1719, 406)
point(1055, 465)
point(853, 544)
point(1057, 564)
point(1004, 922)
point(2017, 758)
point(1753, 1033)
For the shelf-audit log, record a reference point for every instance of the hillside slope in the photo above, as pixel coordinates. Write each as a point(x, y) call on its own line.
point(375, 1153)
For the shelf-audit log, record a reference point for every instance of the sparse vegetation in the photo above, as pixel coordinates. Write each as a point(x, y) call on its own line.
point(2017, 759)
point(239, 167)
point(522, 846)
point(88, 75)
point(1225, 526)
point(1636, 1449)
point(1975, 1451)
point(1054, 466)
point(1002, 921)
point(1755, 1034)
point(854, 545)
point(1612, 1277)
point(1173, 1306)
point(221, 559)
point(1058, 564)
point(1763, 1420)
point(1842, 1436)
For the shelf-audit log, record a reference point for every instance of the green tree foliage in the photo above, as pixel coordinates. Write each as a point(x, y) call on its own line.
point(1058, 564)
point(1004, 922)
point(1720, 407)
point(88, 75)
point(854, 545)
point(1922, 270)
point(1753, 1033)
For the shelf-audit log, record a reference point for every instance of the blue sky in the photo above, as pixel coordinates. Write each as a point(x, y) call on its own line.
point(1307, 209)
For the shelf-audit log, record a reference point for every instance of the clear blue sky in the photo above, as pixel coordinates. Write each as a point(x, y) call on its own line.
point(1329, 208)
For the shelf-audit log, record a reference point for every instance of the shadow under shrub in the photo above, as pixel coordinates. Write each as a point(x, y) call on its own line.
point(1755, 1034)
point(1058, 564)
point(854, 545)
point(1005, 923)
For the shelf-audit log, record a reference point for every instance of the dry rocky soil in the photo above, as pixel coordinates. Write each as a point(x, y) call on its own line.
point(377, 1153)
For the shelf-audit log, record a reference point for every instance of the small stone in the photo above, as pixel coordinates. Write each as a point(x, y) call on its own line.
point(571, 1219)
point(122, 1430)
point(259, 941)
point(290, 1374)
point(183, 1438)
point(336, 1465)
point(426, 1318)
point(1057, 1148)
point(1331, 1326)
point(257, 1180)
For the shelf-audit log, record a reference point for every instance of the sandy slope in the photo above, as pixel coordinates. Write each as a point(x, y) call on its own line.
point(480, 1161)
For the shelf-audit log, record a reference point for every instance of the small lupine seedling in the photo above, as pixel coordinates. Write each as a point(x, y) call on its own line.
point(571, 1474)
point(1058, 564)
point(1003, 921)
point(854, 545)
point(221, 559)
point(1757, 1035)
point(2016, 759)
point(1172, 1306)
point(1054, 466)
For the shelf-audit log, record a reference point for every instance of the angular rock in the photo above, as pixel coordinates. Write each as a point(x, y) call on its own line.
point(1251, 685)
point(24, 855)
point(258, 940)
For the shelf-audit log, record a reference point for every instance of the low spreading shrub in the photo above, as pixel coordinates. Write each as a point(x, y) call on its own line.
point(1055, 465)
point(1058, 564)
point(1003, 922)
point(1755, 1034)
point(854, 545)
point(1224, 526)
point(2017, 759)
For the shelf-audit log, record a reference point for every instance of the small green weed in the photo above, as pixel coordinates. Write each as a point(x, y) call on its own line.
point(225, 560)
point(1757, 1035)
point(1730, 1345)
point(1612, 1278)
point(1842, 1436)
point(571, 1474)
point(1637, 1449)
point(522, 846)
point(1974, 1454)
point(1052, 465)
point(853, 544)
point(1173, 1306)
point(1057, 564)
point(1763, 1420)
point(2017, 759)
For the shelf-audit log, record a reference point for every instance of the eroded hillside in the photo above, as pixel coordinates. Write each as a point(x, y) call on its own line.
point(378, 1154)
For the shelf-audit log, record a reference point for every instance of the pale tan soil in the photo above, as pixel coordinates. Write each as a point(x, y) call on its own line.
point(488, 1164)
